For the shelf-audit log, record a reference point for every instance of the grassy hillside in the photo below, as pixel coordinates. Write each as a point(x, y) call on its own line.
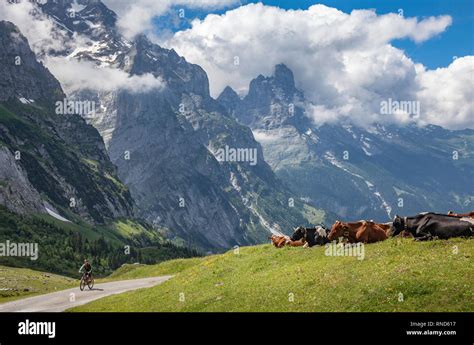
point(22, 282)
point(395, 275)
point(128, 271)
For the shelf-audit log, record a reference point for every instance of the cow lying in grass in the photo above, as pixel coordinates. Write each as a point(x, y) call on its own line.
point(426, 226)
point(278, 241)
point(281, 241)
point(361, 231)
point(299, 243)
point(311, 236)
point(461, 215)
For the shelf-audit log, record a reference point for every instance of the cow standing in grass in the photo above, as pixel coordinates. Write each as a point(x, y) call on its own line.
point(426, 226)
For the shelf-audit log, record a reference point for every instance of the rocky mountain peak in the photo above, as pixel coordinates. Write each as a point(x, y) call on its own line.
point(179, 75)
point(279, 86)
point(89, 17)
point(271, 101)
point(229, 94)
point(142, 42)
point(98, 13)
point(283, 77)
point(229, 99)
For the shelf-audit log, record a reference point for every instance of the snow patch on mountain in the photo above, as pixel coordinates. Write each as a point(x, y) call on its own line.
point(56, 215)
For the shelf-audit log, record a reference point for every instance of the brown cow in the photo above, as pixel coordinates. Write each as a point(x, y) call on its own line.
point(278, 241)
point(362, 231)
point(452, 214)
point(298, 243)
point(387, 227)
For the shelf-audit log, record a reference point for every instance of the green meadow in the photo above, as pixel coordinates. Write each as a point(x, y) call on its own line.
point(395, 275)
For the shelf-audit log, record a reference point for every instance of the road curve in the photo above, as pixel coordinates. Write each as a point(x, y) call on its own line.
point(65, 299)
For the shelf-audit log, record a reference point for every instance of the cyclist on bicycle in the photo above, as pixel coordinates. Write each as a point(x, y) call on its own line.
point(87, 268)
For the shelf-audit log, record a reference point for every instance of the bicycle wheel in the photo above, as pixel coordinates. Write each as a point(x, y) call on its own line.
point(82, 285)
point(90, 284)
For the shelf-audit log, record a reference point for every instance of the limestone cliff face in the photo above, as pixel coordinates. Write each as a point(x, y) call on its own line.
point(16, 191)
point(49, 160)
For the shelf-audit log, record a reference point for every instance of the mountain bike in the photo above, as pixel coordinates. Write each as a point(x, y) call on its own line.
point(88, 280)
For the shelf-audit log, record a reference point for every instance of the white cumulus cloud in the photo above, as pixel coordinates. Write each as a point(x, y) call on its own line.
point(136, 16)
point(80, 75)
point(344, 62)
point(448, 94)
point(36, 27)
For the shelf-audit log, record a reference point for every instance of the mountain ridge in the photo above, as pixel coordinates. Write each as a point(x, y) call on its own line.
point(172, 135)
point(356, 172)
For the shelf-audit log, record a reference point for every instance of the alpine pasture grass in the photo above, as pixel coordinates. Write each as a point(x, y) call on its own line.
point(395, 275)
point(16, 283)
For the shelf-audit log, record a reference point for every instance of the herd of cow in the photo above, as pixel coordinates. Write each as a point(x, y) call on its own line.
point(423, 226)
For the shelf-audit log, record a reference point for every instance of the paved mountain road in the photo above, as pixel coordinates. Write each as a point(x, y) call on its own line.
point(62, 300)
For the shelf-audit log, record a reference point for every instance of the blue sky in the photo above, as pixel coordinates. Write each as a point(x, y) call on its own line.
point(457, 40)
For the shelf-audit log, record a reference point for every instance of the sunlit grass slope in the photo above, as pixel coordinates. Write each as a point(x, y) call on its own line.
point(18, 283)
point(395, 275)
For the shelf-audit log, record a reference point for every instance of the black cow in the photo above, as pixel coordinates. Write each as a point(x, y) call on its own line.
point(428, 225)
point(312, 236)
